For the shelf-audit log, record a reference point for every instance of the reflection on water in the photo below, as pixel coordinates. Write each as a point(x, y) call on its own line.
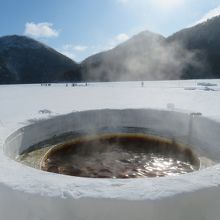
point(120, 156)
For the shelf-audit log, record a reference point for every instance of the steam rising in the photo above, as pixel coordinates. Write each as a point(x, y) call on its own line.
point(146, 56)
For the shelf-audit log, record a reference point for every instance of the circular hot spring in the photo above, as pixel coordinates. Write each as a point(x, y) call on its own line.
point(106, 164)
point(118, 149)
point(120, 156)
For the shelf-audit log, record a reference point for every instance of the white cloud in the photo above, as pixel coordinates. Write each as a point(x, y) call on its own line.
point(118, 39)
point(110, 43)
point(210, 14)
point(73, 51)
point(121, 37)
point(37, 30)
point(79, 52)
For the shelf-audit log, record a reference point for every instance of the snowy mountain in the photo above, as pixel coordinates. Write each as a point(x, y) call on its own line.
point(24, 60)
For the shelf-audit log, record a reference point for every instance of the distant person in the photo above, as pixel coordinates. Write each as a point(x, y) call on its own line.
point(142, 84)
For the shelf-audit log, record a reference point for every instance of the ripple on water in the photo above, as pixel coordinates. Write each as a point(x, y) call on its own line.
point(120, 156)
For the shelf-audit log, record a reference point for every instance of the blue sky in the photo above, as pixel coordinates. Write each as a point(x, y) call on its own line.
point(79, 28)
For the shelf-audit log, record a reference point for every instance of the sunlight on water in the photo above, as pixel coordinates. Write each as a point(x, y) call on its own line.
point(120, 156)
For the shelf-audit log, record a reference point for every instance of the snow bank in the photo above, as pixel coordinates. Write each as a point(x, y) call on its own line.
point(27, 193)
point(50, 196)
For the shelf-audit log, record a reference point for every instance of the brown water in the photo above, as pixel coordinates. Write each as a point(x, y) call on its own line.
point(120, 156)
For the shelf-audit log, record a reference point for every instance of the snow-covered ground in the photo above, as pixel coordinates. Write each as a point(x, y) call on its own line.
point(21, 104)
point(25, 104)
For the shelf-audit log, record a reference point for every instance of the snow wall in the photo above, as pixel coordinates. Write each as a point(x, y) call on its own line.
point(27, 193)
